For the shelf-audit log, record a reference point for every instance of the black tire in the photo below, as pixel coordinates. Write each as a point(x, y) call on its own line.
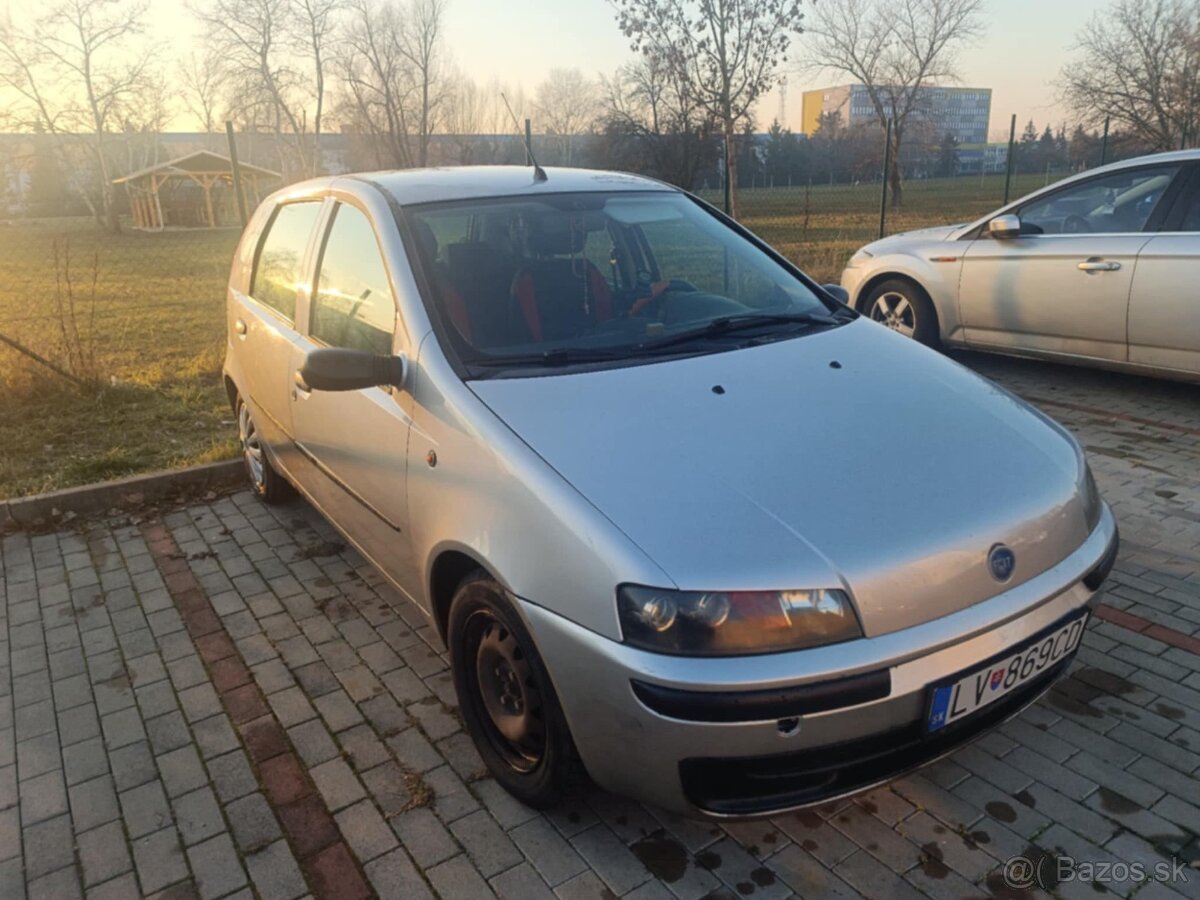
point(268, 485)
point(535, 761)
point(903, 306)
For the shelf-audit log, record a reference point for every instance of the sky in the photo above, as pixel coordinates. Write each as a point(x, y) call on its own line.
point(1026, 45)
point(518, 42)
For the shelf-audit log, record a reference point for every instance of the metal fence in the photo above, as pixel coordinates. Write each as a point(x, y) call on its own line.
point(111, 343)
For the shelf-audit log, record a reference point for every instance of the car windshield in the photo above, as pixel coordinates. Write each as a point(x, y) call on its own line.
point(586, 278)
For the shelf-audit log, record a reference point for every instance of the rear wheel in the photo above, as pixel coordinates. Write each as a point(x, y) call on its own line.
point(905, 308)
point(267, 484)
point(507, 700)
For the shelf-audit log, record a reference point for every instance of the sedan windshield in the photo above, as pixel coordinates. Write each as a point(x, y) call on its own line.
point(594, 278)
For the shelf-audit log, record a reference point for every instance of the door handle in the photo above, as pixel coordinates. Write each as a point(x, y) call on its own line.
point(239, 326)
point(301, 388)
point(1095, 264)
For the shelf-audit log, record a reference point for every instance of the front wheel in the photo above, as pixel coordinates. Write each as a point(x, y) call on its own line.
point(506, 697)
point(905, 308)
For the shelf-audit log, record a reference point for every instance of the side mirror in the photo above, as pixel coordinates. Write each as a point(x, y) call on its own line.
point(340, 369)
point(1005, 227)
point(837, 292)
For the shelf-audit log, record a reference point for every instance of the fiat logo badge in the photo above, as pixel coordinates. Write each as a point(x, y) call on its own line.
point(1001, 562)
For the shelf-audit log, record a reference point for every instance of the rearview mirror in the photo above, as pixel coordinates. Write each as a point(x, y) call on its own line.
point(837, 292)
point(340, 369)
point(1002, 227)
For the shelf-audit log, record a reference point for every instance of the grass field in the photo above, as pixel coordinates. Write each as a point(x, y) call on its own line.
point(150, 334)
point(820, 227)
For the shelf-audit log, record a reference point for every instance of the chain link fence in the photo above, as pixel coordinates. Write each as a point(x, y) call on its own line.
point(111, 342)
point(111, 351)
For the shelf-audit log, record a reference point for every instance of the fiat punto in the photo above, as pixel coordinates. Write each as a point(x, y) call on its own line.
point(678, 513)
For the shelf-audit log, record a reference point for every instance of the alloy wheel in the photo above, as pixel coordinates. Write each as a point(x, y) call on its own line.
point(894, 310)
point(251, 447)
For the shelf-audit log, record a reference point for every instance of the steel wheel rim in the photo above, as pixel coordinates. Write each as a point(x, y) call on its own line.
point(251, 445)
point(506, 692)
point(895, 311)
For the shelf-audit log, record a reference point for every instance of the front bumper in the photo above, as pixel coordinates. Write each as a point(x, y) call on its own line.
point(740, 768)
point(852, 279)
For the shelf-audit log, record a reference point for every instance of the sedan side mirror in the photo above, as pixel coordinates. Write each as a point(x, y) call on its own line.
point(341, 369)
point(837, 292)
point(1005, 227)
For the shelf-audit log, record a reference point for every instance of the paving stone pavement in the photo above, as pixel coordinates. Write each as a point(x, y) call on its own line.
point(227, 702)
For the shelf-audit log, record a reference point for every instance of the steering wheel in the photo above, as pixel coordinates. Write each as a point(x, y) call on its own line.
point(1076, 224)
point(651, 304)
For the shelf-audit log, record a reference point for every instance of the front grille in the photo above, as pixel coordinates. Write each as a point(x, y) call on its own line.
point(740, 786)
point(758, 705)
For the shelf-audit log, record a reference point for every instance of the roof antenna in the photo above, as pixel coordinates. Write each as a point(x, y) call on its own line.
point(539, 174)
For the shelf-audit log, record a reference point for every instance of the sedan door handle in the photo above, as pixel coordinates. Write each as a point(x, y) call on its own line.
point(1095, 264)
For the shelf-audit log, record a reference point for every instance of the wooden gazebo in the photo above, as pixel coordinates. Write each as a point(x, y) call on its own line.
point(203, 169)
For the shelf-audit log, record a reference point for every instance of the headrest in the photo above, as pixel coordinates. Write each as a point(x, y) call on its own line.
point(426, 239)
point(556, 234)
point(470, 256)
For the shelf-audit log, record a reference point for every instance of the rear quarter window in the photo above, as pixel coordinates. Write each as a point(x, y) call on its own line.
point(277, 274)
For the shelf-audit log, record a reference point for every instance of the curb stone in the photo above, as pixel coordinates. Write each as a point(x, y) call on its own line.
point(136, 490)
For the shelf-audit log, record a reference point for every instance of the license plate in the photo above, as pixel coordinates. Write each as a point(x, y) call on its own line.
point(987, 684)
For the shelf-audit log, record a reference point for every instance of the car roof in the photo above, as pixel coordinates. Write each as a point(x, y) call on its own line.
point(413, 186)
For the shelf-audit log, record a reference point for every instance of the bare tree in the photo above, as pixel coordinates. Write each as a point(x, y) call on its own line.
point(275, 52)
point(422, 47)
point(311, 30)
point(726, 51)
point(392, 81)
point(652, 110)
point(203, 78)
point(375, 80)
point(895, 49)
point(463, 117)
point(566, 104)
point(143, 123)
point(75, 70)
point(1139, 62)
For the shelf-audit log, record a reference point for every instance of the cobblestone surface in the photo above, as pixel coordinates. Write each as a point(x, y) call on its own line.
point(228, 702)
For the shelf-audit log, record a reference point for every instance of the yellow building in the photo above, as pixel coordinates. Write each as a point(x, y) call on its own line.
point(962, 111)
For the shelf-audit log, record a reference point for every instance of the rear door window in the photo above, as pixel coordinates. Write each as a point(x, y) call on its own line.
point(277, 273)
point(352, 304)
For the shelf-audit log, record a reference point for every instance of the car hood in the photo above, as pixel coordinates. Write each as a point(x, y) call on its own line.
point(891, 242)
point(851, 457)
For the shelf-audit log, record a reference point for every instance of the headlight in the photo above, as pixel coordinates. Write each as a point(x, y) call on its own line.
point(734, 623)
point(860, 257)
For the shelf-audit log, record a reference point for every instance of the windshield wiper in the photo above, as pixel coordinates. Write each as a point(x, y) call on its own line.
point(745, 322)
point(569, 356)
point(561, 356)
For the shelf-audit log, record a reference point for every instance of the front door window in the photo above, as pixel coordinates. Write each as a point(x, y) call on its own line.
point(1119, 203)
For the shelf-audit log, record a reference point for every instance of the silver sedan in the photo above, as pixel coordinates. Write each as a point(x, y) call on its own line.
point(654, 487)
point(1099, 269)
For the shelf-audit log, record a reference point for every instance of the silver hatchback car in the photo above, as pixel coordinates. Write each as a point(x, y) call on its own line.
point(678, 513)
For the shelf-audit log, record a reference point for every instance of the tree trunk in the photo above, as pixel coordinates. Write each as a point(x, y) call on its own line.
point(731, 167)
point(895, 180)
point(423, 145)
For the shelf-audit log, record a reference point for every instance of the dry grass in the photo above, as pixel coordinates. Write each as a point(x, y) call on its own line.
point(150, 336)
